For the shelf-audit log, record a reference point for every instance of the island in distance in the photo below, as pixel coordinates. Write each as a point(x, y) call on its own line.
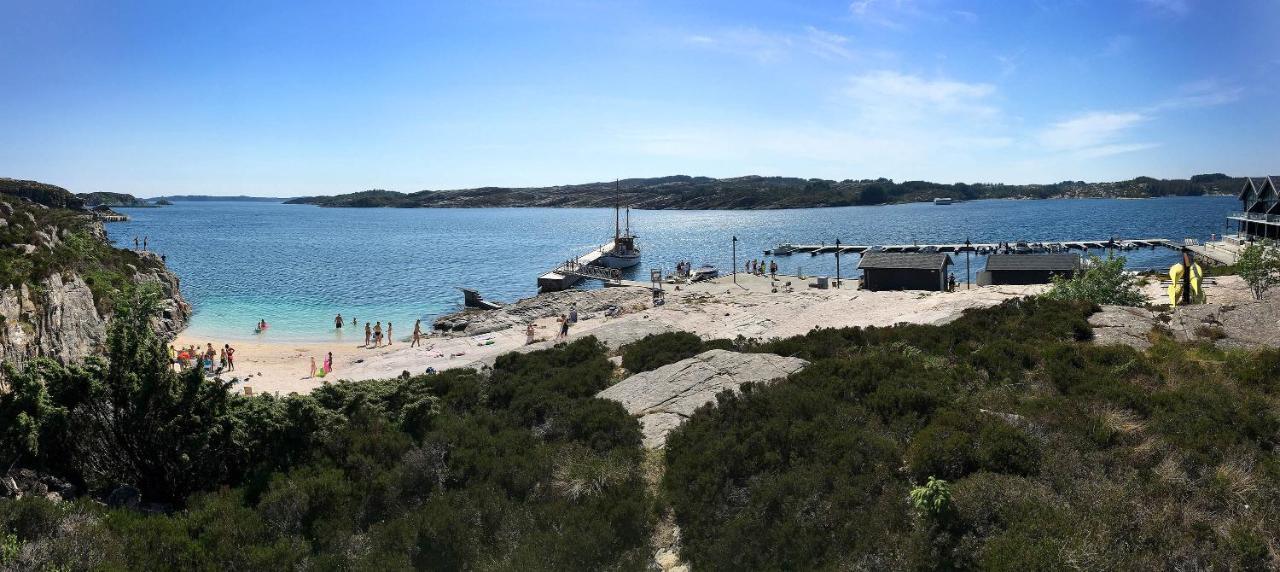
point(754, 192)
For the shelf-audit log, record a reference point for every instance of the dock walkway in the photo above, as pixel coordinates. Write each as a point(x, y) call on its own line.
point(980, 247)
point(587, 266)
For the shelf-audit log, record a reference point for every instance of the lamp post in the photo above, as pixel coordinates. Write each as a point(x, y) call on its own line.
point(837, 263)
point(735, 259)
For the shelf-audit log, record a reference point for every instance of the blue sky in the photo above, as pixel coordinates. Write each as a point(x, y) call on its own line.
point(313, 97)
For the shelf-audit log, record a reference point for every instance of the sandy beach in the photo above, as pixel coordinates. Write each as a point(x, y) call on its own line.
point(714, 309)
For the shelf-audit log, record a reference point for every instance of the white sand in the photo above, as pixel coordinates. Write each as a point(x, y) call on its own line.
point(716, 309)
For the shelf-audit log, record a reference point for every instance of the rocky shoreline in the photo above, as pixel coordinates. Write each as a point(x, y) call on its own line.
point(58, 315)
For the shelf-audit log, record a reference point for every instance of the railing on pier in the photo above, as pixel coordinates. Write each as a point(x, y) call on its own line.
point(1261, 217)
point(575, 268)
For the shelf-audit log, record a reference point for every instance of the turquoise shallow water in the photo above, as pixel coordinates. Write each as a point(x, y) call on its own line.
point(296, 266)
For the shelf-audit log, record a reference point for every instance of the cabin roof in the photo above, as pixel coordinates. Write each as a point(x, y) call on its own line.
point(1249, 188)
point(1033, 262)
point(905, 260)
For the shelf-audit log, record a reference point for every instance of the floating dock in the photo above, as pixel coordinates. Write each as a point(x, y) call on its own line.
point(978, 247)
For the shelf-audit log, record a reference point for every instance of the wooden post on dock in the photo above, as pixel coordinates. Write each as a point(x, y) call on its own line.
point(968, 282)
point(837, 263)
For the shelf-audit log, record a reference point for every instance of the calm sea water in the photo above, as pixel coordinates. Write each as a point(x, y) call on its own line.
point(296, 266)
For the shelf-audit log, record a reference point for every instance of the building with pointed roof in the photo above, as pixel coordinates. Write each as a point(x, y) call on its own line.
point(1260, 199)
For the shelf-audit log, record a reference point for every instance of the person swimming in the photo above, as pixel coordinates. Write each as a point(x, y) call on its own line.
point(262, 325)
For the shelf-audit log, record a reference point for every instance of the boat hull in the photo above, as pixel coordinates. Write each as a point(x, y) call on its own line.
point(612, 260)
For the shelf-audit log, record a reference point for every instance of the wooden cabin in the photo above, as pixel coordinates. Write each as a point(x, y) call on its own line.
point(1027, 268)
point(904, 271)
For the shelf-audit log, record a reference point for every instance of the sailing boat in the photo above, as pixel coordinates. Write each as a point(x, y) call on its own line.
point(624, 254)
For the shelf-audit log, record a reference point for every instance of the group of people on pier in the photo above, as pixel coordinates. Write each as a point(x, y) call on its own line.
point(759, 267)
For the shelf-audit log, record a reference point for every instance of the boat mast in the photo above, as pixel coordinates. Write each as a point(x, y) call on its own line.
point(617, 206)
point(628, 221)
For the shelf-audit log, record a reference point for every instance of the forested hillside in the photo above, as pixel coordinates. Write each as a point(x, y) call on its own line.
point(681, 192)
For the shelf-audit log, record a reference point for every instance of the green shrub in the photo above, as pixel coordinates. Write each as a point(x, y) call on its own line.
point(958, 443)
point(656, 350)
point(1099, 282)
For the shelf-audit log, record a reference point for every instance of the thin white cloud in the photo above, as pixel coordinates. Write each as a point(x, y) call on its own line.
point(883, 120)
point(886, 95)
point(1168, 7)
point(1114, 149)
point(1092, 129)
point(828, 44)
point(1008, 63)
point(771, 47)
point(748, 42)
point(1101, 133)
point(896, 14)
point(1203, 93)
point(1117, 45)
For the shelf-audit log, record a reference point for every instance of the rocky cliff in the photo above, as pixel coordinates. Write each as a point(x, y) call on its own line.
point(57, 274)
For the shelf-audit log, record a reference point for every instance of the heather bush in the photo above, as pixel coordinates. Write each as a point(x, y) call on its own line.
point(656, 350)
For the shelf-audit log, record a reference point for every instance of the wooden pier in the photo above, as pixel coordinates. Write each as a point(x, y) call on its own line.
point(976, 247)
point(587, 266)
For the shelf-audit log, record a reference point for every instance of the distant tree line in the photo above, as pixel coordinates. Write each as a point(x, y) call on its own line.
point(768, 193)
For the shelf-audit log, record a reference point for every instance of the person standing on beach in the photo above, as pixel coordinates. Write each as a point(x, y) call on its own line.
point(573, 314)
point(367, 333)
point(144, 244)
point(389, 337)
point(417, 334)
point(231, 356)
point(564, 326)
point(328, 363)
point(528, 334)
point(312, 371)
point(377, 334)
point(337, 322)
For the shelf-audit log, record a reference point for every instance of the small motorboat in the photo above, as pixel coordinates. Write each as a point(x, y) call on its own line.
point(704, 272)
point(942, 201)
point(784, 248)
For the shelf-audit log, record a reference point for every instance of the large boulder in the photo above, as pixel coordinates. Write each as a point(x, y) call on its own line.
point(665, 397)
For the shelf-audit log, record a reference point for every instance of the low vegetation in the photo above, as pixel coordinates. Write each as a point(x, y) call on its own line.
point(518, 469)
point(1100, 282)
point(1259, 266)
point(1003, 440)
point(999, 441)
point(657, 350)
